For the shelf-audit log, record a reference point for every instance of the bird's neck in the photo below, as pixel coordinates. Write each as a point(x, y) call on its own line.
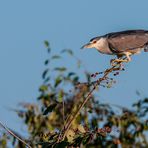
point(102, 46)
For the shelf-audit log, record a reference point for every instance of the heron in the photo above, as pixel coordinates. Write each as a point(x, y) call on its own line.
point(122, 44)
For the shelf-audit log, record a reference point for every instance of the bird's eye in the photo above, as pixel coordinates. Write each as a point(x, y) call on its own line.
point(94, 41)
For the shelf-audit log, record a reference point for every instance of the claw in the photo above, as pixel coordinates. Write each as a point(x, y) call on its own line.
point(121, 60)
point(114, 62)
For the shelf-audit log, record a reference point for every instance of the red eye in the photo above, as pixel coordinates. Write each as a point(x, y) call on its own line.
point(94, 41)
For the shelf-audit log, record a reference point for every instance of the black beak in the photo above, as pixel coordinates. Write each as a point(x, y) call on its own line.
point(89, 45)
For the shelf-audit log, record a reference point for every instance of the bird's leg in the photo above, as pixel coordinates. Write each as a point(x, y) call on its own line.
point(119, 60)
point(114, 64)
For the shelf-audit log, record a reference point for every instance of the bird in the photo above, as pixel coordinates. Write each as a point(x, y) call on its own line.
point(122, 44)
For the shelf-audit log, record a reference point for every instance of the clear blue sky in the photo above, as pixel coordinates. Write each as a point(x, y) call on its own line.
point(24, 25)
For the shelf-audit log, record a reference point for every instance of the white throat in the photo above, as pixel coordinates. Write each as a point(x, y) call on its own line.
point(102, 46)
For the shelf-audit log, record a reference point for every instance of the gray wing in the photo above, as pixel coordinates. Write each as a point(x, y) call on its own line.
point(127, 40)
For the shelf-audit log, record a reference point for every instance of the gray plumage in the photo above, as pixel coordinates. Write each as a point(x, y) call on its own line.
point(124, 43)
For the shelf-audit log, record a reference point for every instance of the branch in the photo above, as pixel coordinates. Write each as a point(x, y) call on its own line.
point(98, 82)
point(14, 135)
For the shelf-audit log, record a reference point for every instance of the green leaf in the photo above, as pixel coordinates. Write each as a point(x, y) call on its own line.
point(60, 96)
point(70, 135)
point(43, 88)
point(62, 144)
point(49, 49)
point(47, 79)
point(61, 69)
point(57, 81)
point(76, 79)
point(86, 139)
point(49, 108)
point(109, 85)
point(71, 74)
point(81, 128)
point(46, 43)
point(145, 100)
point(56, 57)
point(45, 73)
point(78, 141)
point(69, 51)
point(46, 62)
point(44, 144)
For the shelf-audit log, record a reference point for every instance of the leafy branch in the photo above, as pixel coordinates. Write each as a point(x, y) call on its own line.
point(14, 135)
point(67, 126)
point(69, 115)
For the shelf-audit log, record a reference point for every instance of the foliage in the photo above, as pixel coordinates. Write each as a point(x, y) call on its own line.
point(96, 125)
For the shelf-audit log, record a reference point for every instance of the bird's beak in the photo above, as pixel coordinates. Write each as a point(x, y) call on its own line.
point(89, 45)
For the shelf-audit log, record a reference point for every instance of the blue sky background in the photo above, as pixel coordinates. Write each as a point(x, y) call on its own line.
point(24, 25)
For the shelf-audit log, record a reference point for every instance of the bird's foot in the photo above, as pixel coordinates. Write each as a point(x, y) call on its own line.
point(121, 60)
point(114, 62)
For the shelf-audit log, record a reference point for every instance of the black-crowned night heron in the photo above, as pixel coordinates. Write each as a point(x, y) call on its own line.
point(124, 43)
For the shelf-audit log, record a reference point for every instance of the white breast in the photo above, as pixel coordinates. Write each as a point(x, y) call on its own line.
point(102, 46)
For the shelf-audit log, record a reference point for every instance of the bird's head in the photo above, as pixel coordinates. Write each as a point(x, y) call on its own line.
point(92, 43)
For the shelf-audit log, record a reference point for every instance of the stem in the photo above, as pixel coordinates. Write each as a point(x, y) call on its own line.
point(14, 135)
point(63, 110)
point(69, 123)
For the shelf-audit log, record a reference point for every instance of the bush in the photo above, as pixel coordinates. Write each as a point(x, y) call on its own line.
point(69, 115)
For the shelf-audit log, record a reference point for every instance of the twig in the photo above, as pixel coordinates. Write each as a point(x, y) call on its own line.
point(69, 122)
point(63, 111)
point(11, 133)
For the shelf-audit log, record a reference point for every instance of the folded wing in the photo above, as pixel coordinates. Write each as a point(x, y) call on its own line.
point(127, 40)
